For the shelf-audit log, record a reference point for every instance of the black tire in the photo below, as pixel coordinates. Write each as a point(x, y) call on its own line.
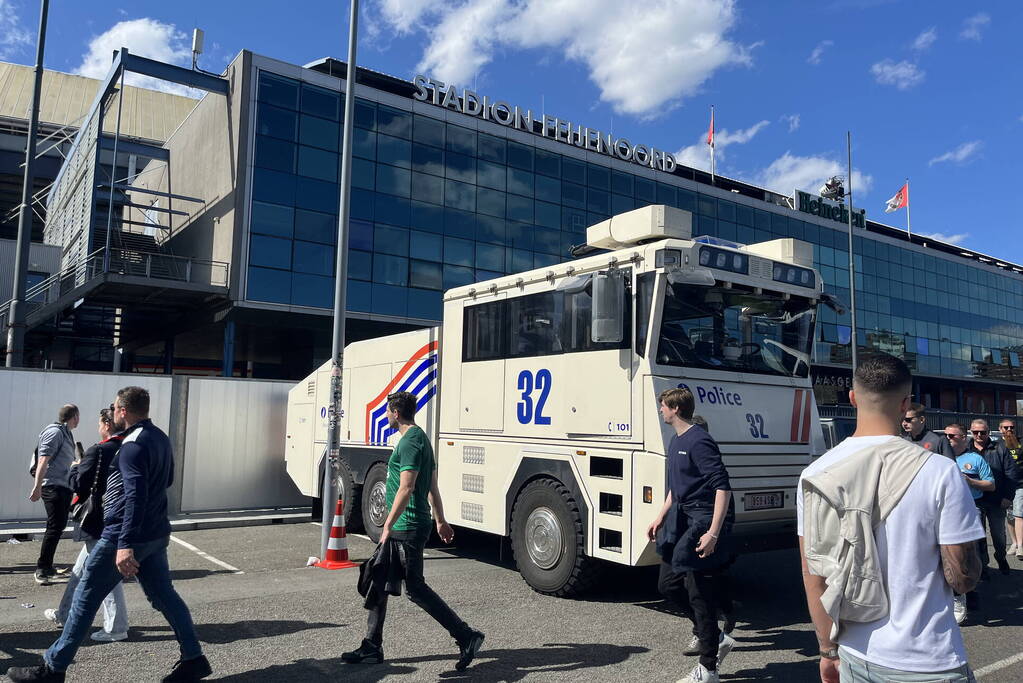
point(374, 507)
point(349, 492)
point(550, 567)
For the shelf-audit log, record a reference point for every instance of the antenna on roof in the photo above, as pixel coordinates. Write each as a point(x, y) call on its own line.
point(198, 37)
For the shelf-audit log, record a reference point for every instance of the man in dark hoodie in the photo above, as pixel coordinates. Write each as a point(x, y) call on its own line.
point(914, 427)
point(993, 504)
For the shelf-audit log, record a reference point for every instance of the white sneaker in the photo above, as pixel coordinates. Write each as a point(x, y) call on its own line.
point(102, 636)
point(725, 646)
point(959, 608)
point(51, 614)
point(1011, 550)
point(700, 675)
point(693, 648)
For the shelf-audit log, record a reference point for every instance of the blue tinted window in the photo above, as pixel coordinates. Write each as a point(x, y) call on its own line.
point(458, 252)
point(489, 256)
point(360, 235)
point(490, 202)
point(548, 189)
point(686, 200)
point(461, 140)
point(390, 240)
point(548, 215)
point(520, 156)
point(317, 195)
point(543, 260)
point(598, 201)
point(621, 183)
point(394, 122)
point(428, 159)
point(393, 210)
point(517, 260)
point(309, 257)
point(459, 223)
point(520, 182)
point(573, 195)
point(598, 177)
point(273, 186)
point(426, 246)
point(321, 102)
point(390, 270)
point(491, 175)
point(548, 163)
point(278, 90)
point(645, 191)
point(360, 265)
point(312, 290)
point(707, 206)
point(270, 251)
point(317, 163)
point(364, 144)
point(396, 181)
point(492, 149)
point(726, 210)
point(364, 174)
point(490, 229)
point(275, 122)
point(359, 296)
point(762, 219)
point(520, 235)
point(394, 151)
point(428, 131)
point(318, 133)
point(426, 274)
point(365, 114)
point(460, 167)
point(269, 285)
point(573, 170)
point(271, 219)
point(520, 209)
point(548, 241)
point(459, 195)
point(428, 188)
point(743, 215)
point(666, 194)
point(573, 220)
point(390, 300)
point(424, 304)
point(315, 226)
point(456, 276)
point(620, 204)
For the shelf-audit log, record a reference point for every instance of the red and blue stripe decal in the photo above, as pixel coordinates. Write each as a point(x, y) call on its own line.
point(418, 376)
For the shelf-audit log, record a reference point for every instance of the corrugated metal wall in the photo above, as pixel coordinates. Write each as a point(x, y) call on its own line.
point(43, 258)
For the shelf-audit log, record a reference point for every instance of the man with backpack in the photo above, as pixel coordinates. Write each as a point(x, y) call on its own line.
point(51, 470)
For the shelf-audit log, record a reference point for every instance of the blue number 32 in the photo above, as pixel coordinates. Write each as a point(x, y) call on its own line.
point(527, 384)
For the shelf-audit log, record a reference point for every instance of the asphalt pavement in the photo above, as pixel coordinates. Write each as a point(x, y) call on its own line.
point(263, 616)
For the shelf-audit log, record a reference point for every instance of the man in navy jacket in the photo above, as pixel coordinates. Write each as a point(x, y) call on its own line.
point(136, 532)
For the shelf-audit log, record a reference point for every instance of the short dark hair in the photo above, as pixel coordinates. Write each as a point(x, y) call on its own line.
point(67, 413)
point(134, 400)
point(882, 374)
point(917, 409)
point(957, 425)
point(403, 403)
point(680, 399)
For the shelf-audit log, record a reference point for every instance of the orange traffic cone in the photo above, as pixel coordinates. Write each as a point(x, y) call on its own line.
point(337, 546)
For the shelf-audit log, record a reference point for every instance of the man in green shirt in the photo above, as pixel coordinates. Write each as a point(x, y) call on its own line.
point(411, 490)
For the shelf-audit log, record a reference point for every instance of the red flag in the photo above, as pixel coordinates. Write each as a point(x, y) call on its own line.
point(900, 200)
point(710, 131)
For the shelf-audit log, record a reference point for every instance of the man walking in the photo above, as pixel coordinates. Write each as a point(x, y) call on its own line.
point(977, 476)
point(915, 429)
point(692, 530)
point(136, 532)
point(887, 533)
point(993, 504)
point(54, 454)
point(411, 490)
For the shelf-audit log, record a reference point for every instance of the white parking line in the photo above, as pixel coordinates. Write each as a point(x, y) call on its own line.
point(206, 556)
point(998, 666)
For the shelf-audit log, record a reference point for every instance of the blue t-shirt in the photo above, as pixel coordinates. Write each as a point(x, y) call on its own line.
point(695, 469)
point(974, 466)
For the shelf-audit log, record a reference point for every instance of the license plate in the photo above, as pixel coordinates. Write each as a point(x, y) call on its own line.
point(764, 501)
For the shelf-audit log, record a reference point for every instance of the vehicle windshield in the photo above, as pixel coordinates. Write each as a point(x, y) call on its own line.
point(736, 329)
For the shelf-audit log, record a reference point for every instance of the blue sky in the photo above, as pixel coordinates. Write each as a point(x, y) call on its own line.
point(930, 90)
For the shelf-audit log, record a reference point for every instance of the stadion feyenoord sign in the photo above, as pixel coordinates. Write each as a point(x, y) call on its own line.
point(468, 102)
point(825, 208)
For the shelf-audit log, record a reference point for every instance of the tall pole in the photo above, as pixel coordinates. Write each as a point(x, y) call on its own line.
point(113, 165)
point(909, 224)
point(16, 330)
point(711, 141)
point(852, 257)
point(340, 289)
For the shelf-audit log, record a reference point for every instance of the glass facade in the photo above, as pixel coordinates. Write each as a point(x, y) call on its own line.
point(436, 205)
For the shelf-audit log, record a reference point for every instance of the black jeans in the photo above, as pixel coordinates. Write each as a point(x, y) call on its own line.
point(699, 595)
point(57, 500)
point(417, 591)
point(992, 518)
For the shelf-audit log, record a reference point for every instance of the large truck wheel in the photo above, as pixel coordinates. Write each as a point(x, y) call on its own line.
point(374, 501)
point(347, 491)
point(547, 540)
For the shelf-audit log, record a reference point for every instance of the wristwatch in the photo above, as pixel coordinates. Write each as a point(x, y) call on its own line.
point(830, 653)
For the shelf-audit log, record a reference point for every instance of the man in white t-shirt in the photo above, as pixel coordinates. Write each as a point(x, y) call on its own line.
point(926, 548)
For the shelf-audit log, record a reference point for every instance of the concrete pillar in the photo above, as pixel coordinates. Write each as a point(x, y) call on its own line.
point(228, 363)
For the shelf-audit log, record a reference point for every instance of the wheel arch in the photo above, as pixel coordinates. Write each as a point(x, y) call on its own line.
point(531, 469)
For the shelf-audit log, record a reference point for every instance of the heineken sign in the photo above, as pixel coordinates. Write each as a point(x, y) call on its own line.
point(470, 103)
point(825, 208)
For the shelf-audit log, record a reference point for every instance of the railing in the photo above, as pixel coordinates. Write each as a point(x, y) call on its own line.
point(150, 265)
point(935, 419)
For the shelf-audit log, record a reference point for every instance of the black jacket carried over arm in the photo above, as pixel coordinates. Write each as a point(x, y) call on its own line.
point(382, 573)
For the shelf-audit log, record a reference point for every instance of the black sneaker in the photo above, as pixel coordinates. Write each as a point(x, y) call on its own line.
point(43, 576)
point(189, 670)
point(1003, 566)
point(728, 622)
point(468, 650)
point(369, 653)
point(42, 674)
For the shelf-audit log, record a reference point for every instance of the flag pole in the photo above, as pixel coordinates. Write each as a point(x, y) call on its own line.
point(712, 169)
point(909, 224)
point(852, 258)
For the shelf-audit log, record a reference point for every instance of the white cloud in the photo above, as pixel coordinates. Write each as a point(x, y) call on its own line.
point(644, 56)
point(950, 238)
point(815, 56)
point(789, 172)
point(903, 75)
point(960, 155)
point(792, 120)
point(146, 38)
point(972, 26)
point(698, 155)
point(925, 39)
point(14, 38)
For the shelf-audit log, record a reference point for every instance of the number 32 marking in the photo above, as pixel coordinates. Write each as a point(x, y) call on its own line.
point(756, 426)
point(524, 409)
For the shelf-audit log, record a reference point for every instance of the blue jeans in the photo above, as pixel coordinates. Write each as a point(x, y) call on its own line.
point(115, 610)
point(99, 578)
point(856, 670)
